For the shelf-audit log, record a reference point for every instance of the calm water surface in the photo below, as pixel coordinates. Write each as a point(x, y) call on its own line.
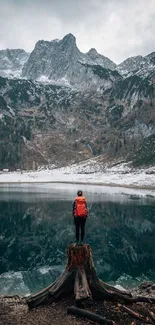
point(36, 226)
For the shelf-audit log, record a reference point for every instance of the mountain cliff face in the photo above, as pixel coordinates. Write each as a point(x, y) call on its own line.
point(12, 62)
point(58, 125)
point(79, 107)
point(61, 62)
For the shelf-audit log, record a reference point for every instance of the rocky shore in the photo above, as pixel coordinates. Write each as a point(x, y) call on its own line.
point(14, 310)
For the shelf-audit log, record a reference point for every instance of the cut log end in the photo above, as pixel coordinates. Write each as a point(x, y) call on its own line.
point(79, 255)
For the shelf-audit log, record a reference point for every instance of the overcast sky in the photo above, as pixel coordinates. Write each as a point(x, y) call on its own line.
point(116, 28)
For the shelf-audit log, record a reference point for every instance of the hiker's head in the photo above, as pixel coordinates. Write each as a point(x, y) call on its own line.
point(79, 193)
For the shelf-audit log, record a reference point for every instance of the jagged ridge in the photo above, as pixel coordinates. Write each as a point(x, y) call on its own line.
point(98, 113)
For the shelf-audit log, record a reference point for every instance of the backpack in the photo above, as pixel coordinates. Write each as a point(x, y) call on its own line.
point(81, 206)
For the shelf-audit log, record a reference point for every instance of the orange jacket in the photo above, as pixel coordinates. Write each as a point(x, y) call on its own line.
point(80, 207)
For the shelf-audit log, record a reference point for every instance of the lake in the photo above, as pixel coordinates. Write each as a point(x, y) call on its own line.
point(36, 225)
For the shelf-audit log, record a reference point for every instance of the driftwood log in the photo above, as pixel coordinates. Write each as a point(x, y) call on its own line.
point(87, 314)
point(80, 278)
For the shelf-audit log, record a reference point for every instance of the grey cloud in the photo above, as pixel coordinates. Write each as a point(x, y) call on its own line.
point(64, 9)
point(116, 28)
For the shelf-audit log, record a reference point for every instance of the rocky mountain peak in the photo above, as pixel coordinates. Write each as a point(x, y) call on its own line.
point(131, 64)
point(69, 38)
point(139, 65)
point(68, 45)
point(42, 43)
point(43, 119)
point(92, 51)
point(12, 62)
point(68, 41)
point(101, 59)
point(62, 62)
point(151, 58)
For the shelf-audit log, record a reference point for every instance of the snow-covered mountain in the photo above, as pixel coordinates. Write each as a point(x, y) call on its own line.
point(61, 62)
point(53, 124)
point(139, 65)
point(12, 62)
point(68, 106)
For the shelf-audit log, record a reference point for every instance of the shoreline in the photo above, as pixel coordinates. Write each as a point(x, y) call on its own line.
point(88, 173)
point(15, 310)
point(126, 186)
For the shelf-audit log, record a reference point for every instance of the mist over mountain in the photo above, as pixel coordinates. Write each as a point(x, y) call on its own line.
point(59, 106)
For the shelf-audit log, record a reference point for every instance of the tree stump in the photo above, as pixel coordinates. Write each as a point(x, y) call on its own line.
point(80, 278)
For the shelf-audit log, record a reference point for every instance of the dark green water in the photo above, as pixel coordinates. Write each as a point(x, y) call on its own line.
point(36, 226)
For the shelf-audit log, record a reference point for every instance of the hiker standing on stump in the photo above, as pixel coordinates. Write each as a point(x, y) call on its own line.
point(80, 214)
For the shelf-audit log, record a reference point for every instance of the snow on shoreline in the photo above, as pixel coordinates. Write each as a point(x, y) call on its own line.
point(119, 175)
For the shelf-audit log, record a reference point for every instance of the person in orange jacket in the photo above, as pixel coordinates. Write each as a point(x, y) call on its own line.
point(80, 214)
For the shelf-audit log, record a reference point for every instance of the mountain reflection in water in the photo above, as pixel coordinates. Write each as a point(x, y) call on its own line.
point(36, 226)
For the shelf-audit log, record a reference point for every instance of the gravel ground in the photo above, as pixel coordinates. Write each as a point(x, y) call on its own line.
point(14, 311)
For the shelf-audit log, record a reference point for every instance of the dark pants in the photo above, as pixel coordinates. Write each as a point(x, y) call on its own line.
point(80, 224)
